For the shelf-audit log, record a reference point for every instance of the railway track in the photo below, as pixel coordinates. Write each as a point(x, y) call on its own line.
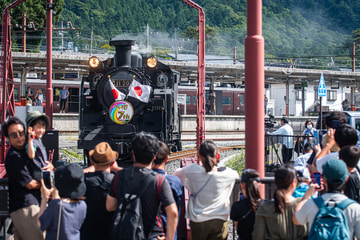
point(193, 152)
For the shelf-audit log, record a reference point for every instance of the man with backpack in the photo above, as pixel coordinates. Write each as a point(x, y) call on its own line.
point(137, 193)
point(98, 221)
point(345, 220)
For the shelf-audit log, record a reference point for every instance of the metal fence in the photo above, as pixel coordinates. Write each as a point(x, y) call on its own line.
point(273, 147)
point(270, 187)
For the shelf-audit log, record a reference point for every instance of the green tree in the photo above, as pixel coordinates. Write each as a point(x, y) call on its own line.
point(36, 13)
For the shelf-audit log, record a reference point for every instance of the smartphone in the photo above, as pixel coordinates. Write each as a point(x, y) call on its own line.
point(335, 124)
point(47, 179)
point(316, 137)
point(317, 178)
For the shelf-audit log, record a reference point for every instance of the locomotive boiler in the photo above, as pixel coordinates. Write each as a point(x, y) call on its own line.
point(127, 94)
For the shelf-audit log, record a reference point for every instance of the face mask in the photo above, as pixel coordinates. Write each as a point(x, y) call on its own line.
point(309, 126)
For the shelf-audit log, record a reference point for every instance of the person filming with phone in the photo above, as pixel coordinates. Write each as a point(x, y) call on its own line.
point(344, 135)
point(313, 211)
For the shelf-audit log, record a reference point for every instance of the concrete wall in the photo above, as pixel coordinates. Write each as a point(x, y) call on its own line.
point(70, 122)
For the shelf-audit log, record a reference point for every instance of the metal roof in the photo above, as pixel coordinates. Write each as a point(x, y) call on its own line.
point(217, 68)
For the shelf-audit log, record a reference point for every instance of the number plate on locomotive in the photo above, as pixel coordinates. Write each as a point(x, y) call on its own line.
point(121, 83)
point(121, 112)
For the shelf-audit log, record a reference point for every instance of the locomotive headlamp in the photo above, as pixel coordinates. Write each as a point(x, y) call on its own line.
point(94, 62)
point(151, 62)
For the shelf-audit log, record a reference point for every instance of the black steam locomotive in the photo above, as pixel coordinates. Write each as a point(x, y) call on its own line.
point(128, 94)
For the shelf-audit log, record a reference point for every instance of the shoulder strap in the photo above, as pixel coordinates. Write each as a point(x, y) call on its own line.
point(343, 204)
point(319, 201)
point(159, 182)
point(195, 194)
point(59, 219)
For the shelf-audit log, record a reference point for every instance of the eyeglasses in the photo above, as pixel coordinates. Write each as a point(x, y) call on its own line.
point(17, 134)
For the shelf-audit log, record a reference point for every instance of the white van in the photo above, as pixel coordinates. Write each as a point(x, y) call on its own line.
point(354, 119)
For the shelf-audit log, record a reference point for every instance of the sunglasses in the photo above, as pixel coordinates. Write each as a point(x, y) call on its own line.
point(17, 134)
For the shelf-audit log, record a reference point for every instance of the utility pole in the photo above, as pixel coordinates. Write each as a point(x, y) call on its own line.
point(147, 37)
point(91, 39)
point(62, 36)
point(24, 32)
point(49, 91)
point(353, 98)
point(235, 55)
point(176, 47)
point(254, 90)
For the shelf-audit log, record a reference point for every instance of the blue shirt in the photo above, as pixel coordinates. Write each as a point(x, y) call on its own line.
point(72, 217)
point(176, 188)
point(63, 93)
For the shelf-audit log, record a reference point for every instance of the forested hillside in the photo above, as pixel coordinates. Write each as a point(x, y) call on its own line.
point(290, 27)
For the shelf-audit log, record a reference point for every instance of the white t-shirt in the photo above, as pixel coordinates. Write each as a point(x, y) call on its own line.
point(301, 164)
point(352, 213)
point(285, 130)
point(321, 161)
point(213, 202)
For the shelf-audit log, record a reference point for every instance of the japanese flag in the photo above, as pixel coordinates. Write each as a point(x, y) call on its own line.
point(139, 91)
point(116, 93)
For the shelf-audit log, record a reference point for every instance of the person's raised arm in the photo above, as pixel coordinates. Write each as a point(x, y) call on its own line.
point(310, 192)
point(30, 149)
point(45, 194)
point(329, 144)
point(172, 220)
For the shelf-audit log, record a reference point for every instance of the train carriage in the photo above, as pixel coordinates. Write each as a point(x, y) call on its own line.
point(226, 101)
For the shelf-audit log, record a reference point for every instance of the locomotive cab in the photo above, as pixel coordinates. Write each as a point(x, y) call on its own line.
point(128, 95)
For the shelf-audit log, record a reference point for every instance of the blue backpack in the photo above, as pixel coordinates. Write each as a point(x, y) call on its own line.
point(330, 222)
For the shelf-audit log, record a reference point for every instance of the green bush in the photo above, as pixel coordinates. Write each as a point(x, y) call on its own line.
point(237, 162)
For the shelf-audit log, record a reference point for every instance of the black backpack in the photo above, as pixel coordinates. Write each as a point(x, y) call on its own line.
point(128, 223)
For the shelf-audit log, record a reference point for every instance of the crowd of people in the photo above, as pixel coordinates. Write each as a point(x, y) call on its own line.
point(302, 201)
point(105, 201)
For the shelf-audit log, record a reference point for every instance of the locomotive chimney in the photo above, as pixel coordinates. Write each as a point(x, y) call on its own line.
point(122, 52)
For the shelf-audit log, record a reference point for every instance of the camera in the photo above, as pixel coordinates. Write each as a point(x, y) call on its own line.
point(269, 123)
point(48, 178)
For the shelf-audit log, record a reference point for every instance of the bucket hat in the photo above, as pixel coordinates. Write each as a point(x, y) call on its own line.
point(102, 154)
point(35, 115)
point(69, 180)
